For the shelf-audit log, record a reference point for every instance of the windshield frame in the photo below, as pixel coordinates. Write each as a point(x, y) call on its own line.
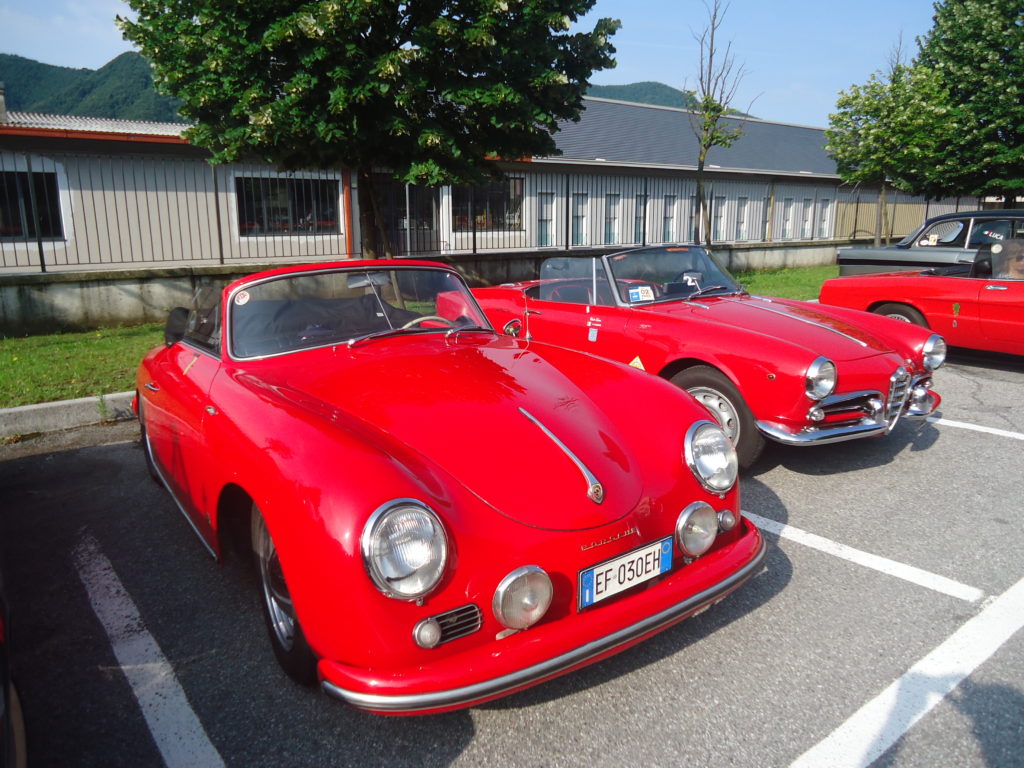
point(240, 295)
point(729, 285)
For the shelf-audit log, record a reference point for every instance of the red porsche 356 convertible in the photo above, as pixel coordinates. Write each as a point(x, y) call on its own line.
point(788, 371)
point(439, 514)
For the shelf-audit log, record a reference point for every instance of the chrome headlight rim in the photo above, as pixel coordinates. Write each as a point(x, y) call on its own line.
point(708, 530)
point(821, 378)
point(695, 463)
point(367, 541)
point(933, 352)
point(507, 583)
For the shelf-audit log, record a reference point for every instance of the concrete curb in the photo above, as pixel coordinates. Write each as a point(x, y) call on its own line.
point(66, 414)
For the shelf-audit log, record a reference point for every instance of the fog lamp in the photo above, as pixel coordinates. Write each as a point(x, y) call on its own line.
point(523, 597)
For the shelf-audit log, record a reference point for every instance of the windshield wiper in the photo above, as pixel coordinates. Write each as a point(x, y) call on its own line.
point(709, 288)
point(389, 332)
point(471, 328)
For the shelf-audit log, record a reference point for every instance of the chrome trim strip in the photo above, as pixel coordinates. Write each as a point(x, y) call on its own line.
point(799, 319)
point(499, 685)
point(595, 491)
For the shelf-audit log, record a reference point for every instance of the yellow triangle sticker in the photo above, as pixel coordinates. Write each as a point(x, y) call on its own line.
point(635, 362)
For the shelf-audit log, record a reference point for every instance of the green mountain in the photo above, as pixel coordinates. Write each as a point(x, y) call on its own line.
point(122, 88)
point(658, 94)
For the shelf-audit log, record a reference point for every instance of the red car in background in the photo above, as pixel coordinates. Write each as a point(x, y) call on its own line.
point(439, 514)
point(979, 306)
point(789, 371)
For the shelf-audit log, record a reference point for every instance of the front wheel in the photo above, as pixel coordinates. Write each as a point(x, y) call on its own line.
point(716, 393)
point(290, 647)
point(901, 312)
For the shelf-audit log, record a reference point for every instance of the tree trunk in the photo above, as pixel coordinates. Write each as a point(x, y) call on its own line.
point(375, 240)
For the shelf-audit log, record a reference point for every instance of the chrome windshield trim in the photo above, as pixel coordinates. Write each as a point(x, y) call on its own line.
point(595, 491)
point(469, 694)
point(801, 320)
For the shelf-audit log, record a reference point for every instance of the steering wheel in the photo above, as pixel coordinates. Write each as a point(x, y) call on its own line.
point(417, 320)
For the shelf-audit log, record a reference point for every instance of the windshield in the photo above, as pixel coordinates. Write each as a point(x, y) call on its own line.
point(315, 309)
point(669, 274)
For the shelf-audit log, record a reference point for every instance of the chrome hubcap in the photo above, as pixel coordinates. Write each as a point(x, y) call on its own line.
point(275, 591)
point(722, 409)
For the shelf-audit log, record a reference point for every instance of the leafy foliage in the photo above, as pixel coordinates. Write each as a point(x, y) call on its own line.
point(122, 88)
point(952, 122)
point(976, 49)
point(436, 90)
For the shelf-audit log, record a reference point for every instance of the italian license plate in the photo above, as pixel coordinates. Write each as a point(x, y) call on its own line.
point(620, 573)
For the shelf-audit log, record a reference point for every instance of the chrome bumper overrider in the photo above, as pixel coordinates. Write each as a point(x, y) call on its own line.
point(466, 695)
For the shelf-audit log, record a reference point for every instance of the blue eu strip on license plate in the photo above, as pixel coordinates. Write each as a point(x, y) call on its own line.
point(625, 571)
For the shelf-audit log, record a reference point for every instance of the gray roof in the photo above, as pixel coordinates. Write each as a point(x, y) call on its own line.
point(615, 132)
point(640, 134)
point(91, 124)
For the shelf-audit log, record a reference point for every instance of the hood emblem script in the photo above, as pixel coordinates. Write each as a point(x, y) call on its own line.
point(595, 491)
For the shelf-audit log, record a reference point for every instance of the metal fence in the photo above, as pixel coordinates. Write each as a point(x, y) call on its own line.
point(72, 212)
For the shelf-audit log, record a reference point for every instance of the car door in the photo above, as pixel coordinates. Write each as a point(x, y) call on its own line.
point(176, 408)
point(578, 311)
point(1001, 314)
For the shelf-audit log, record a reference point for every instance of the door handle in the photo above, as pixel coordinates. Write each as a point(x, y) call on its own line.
point(995, 287)
point(152, 387)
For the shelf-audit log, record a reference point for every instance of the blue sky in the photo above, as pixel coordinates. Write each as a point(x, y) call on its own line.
point(797, 55)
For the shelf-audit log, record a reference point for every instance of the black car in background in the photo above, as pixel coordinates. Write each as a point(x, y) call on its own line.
point(952, 238)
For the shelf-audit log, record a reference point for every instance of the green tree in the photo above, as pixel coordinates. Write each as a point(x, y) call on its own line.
point(976, 49)
point(889, 131)
point(435, 91)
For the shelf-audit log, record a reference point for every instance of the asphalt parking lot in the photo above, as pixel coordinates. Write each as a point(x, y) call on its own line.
point(884, 629)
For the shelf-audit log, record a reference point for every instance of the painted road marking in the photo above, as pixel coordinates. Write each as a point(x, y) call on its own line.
point(976, 428)
point(178, 734)
point(882, 721)
point(884, 565)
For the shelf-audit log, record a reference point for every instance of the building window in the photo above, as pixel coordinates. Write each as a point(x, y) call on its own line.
point(19, 219)
point(719, 220)
point(497, 206)
point(611, 218)
point(639, 220)
point(741, 218)
point(787, 218)
point(824, 215)
point(277, 206)
point(579, 218)
point(545, 214)
point(692, 232)
point(807, 221)
point(668, 222)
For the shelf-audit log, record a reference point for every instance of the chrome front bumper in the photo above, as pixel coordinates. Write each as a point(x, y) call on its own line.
point(875, 419)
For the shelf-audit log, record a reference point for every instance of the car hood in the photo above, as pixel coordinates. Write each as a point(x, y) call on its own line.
point(460, 404)
point(797, 322)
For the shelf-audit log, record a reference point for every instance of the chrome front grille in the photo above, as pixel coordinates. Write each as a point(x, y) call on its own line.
point(459, 622)
point(899, 390)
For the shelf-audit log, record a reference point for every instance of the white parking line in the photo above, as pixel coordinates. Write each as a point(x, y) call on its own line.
point(882, 721)
point(178, 734)
point(866, 559)
point(976, 428)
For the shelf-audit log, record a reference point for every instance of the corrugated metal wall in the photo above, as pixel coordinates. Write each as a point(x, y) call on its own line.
point(144, 210)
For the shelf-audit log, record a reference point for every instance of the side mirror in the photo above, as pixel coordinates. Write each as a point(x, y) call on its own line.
point(177, 321)
point(513, 328)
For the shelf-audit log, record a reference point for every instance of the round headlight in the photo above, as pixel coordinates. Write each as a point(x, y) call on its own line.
point(696, 529)
point(523, 597)
point(934, 352)
point(820, 378)
point(404, 549)
point(710, 456)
